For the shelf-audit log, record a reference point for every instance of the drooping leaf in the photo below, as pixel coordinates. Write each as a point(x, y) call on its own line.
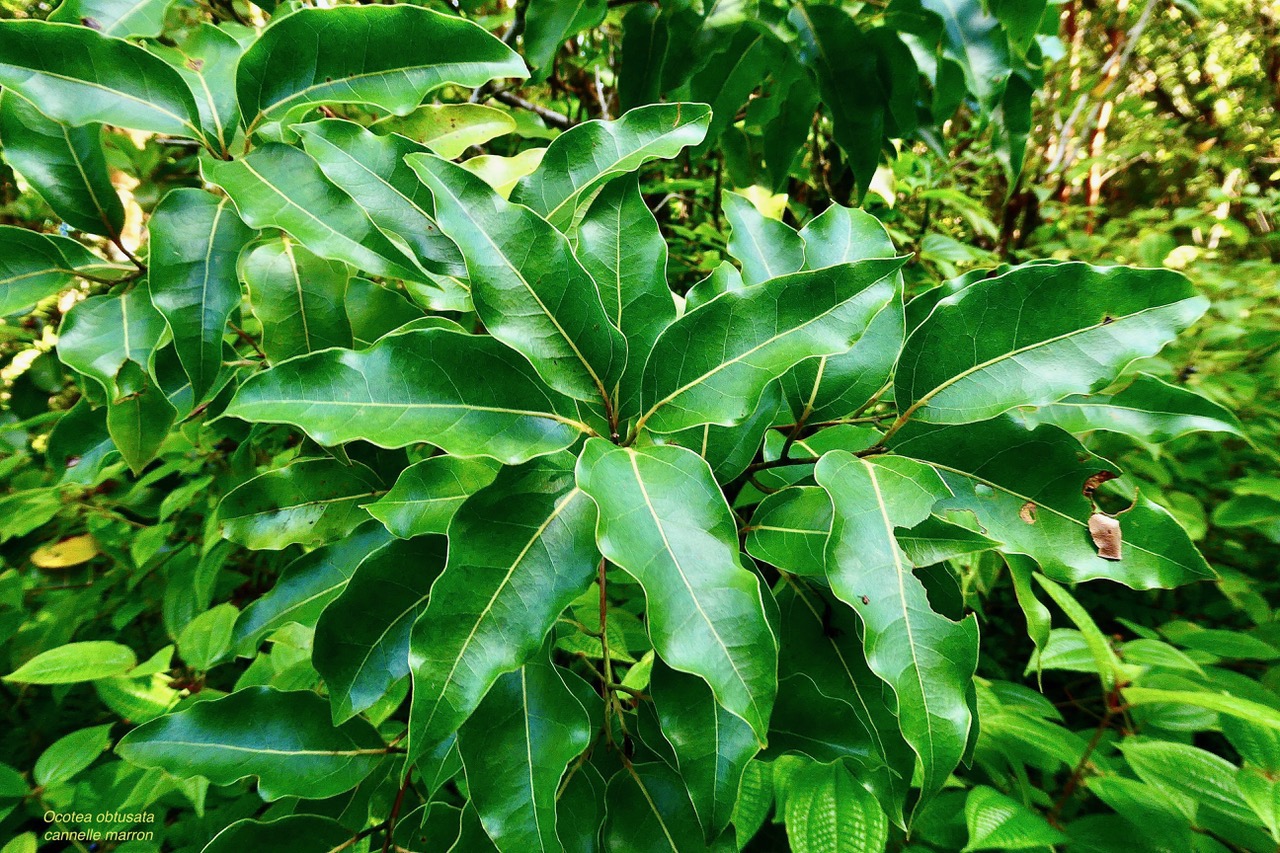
point(362, 638)
point(766, 248)
point(283, 738)
point(385, 56)
point(999, 822)
point(529, 290)
point(195, 243)
point(401, 391)
point(84, 661)
point(729, 450)
point(935, 539)
point(372, 170)
point(926, 659)
point(620, 246)
point(732, 76)
point(1147, 409)
point(712, 746)
point(515, 748)
point(449, 129)
point(789, 530)
point(975, 41)
point(649, 810)
point(309, 501)
point(664, 521)
point(70, 754)
point(580, 160)
point(1040, 333)
point(298, 297)
point(1182, 770)
point(427, 494)
point(549, 24)
point(1025, 487)
point(279, 186)
point(64, 164)
point(520, 550)
point(712, 364)
point(78, 76)
point(139, 418)
point(827, 810)
point(99, 335)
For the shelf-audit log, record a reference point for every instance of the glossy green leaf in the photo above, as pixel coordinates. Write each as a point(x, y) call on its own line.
point(619, 244)
point(283, 738)
point(999, 822)
point(121, 18)
point(1177, 769)
point(1222, 703)
point(1106, 664)
point(278, 186)
point(789, 530)
point(339, 395)
point(520, 550)
point(295, 830)
point(729, 450)
point(766, 248)
point(66, 166)
point(926, 659)
point(374, 311)
point(308, 502)
point(548, 24)
point(1025, 487)
point(664, 521)
point(731, 77)
point(935, 540)
point(428, 493)
point(34, 266)
point(974, 40)
point(195, 243)
point(503, 173)
point(827, 810)
point(385, 56)
point(362, 638)
point(78, 76)
point(372, 170)
point(206, 639)
point(99, 335)
point(712, 747)
point(515, 748)
point(649, 811)
point(712, 364)
point(139, 419)
point(74, 662)
point(205, 57)
point(529, 290)
point(1147, 409)
point(70, 754)
point(449, 129)
point(307, 585)
point(298, 297)
point(1040, 333)
point(580, 160)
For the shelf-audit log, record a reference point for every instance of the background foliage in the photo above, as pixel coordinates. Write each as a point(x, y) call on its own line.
point(157, 555)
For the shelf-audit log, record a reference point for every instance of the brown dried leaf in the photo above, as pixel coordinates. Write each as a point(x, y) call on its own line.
point(1105, 532)
point(1091, 484)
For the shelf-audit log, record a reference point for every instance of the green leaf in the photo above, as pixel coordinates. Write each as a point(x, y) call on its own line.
point(833, 46)
point(580, 160)
point(712, 364)
point(998, 822)
point(520, 550)
point(314, 832)
point(548, 25)
point(729, 450)
point(827, 810)
point(1147, 409)
point(298, 297)
point(78, 76)
point(712, 746)
point(35, 266)
point(1222, 703)
point(306, 586)
point(731, 77)
point(121, 18)
point(384, 56)
point(789, 530)
point(362, 638)
point(766, 248)
point(1177, 769)
point(664, 521)
point(308, 502)
point(402, 391)
point(139, 420)
point(926, 659)
point(373, 171)
point(1104, 657)
point(195, 243)
point(278, 186)
point(65, 165)
point(375, 311)
point(449, 129)
point(834, 386)
point(428, 493)
point(515, 748)
point(528, 289)
point(70, 754)
point(936, 540)
point(649, 811)
point(975, 41)
point(1025, 486)
point(207, 638)
point(619, 244)
point(75, 662)
point(206, 60)
point(502, 173)
point(283, 738)
point(1040, 333)
point(99, 335)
